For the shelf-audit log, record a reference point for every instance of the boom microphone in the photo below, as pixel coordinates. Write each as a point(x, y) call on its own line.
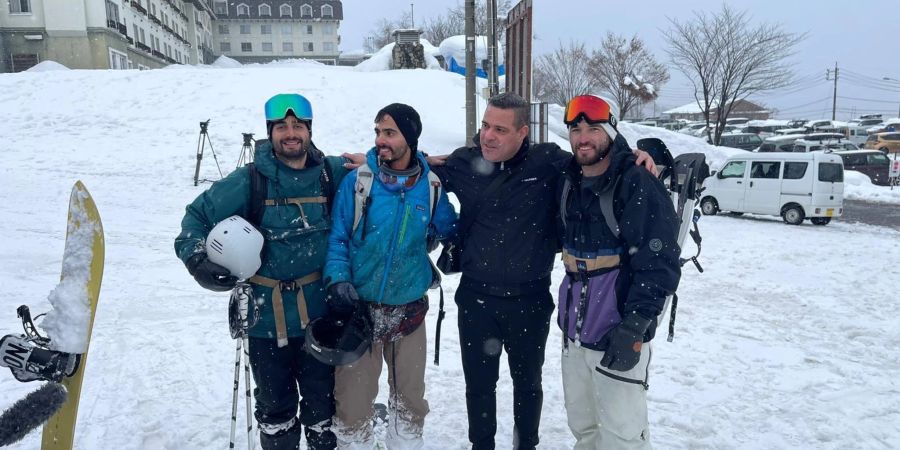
point(30, 412)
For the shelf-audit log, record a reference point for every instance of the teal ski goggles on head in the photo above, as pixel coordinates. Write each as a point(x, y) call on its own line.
point(278, 106)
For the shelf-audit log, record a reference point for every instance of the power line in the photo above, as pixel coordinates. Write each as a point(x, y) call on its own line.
point(870, 100)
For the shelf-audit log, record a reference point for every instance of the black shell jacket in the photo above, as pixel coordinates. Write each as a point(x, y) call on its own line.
point(510, 248)
point(649, 269)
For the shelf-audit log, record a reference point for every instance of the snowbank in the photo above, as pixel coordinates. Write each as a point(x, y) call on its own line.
point(224, 62)
point(47, 66)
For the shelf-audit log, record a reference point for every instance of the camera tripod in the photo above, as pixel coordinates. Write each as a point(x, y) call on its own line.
point(246, 150)
point(201, 145)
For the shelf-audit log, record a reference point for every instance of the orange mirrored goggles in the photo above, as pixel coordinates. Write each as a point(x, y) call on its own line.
point(594, 109)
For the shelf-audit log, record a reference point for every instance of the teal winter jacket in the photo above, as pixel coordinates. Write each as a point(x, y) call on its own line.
point(291, 249)
point(389, 262)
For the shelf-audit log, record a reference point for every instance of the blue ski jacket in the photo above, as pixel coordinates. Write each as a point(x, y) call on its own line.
point(386, 257)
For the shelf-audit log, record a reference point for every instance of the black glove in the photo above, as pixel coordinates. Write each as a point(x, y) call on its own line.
point(623, 343)
point(209, 274)
point(342, 298)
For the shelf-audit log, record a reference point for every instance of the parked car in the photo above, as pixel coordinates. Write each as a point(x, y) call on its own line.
point(736, 121)
point(691, 128)
point(795, 186)
point(885, 142)
point(870, 162)
point(743, 141)
point(806, 145)
point(779, 143)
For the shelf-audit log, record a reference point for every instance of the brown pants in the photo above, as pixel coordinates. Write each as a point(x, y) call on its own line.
point(356, 387)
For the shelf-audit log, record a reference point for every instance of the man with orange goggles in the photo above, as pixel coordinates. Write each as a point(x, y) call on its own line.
point(508, 235)
point(621, 256)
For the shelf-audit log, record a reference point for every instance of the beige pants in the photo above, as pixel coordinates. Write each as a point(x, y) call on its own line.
point(356, 386)
point(606, 409)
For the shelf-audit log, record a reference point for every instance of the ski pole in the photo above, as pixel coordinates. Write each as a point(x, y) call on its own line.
point(234, 397)
point(247, 392)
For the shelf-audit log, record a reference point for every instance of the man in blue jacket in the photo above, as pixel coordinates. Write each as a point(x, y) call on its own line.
point(621, 256)
point(377, 259)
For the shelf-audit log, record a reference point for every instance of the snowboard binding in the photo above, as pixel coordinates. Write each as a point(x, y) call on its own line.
point(30, 357)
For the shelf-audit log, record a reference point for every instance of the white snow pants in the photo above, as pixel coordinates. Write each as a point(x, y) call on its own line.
point(606, 409)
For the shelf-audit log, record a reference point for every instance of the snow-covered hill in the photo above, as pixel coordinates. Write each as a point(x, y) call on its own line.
point(788, 340)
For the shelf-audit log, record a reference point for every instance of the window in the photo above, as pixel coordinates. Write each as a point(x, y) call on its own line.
point(765, 169)
point(831, 172)
point(24, 61)
point(117, 60)
point(225, 47)
point(112, 13)
point(305, 11)
point(308, 47)
point(153, 9)
point(224, 29)
point(327, 11)
point(246, 47)
point(287, 47)
point(267, 46)
point(794, 170)
point(243, 10)
point(878, 159)
point(265, 10)
point(328, 47)
point(142, 39)
point(265, 29)
point(328, 29)
point(23, 6)
point(245, 29)
point(220, 8)
point(309, 29)
point(286, 11)
point(287, 29)
point(734, 169)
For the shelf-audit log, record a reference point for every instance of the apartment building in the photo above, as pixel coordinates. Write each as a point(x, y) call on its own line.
point(256, 31)
point(105, 34)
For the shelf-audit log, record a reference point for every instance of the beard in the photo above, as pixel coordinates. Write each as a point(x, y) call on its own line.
point(593, 158)
point(291, 154)
point(392, 154)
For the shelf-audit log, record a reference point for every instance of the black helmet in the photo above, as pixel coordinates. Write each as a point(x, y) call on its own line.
point(339, 340)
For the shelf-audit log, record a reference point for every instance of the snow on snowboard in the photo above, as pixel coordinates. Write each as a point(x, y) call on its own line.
point(58, 358)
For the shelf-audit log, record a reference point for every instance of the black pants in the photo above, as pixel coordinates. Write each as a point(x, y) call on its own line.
point(519, 325)
point(286, 377)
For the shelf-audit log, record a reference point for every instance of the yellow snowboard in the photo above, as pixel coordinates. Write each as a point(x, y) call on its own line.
point(84, 236)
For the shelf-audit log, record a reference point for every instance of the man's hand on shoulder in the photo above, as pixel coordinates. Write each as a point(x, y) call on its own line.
point(644, 159)
point(438, 160)
point(355, 160)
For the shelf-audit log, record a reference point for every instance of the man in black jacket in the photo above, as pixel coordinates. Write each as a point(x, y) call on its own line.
point(621, 255)
point(504, 298)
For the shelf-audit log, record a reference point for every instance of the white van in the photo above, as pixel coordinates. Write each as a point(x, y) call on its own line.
point(795, 186)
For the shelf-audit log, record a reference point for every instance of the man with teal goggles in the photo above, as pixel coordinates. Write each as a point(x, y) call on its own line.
point(298, 183)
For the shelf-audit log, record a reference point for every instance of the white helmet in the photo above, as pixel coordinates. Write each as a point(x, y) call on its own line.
point(236, 245)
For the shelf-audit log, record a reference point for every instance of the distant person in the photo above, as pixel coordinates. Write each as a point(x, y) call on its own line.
point(378, 260)
point(288, 289)
point(620, 251)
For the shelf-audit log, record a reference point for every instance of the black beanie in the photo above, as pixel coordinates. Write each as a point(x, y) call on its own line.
point(407, 120)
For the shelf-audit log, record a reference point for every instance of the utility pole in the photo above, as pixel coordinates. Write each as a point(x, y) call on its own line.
point(470, 71)
point(834, 99)
point(493, 77)
point(412, 15)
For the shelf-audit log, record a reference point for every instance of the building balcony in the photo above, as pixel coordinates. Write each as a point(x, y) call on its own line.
point(137, 6)
point(112, 24)
point(130, 40)
point(122, 29)
point(166, 27)
point(200, 24)
point(158, 54)
point(143, 47)
point(155, 19)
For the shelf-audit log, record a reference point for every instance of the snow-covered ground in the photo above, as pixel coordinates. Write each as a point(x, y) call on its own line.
point(789, 339)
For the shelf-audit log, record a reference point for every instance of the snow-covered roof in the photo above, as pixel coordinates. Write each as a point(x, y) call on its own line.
point(690, 108)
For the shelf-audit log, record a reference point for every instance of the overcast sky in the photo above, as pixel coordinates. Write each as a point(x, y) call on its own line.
point(863, 37)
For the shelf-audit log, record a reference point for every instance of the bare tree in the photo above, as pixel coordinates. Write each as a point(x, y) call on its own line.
point(727, 59)
point(563, 74)
point(382, 33)
point(627, 71)
point(452, 22)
